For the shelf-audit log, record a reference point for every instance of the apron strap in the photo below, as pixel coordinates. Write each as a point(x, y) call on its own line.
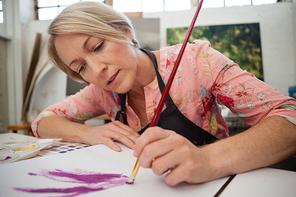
point(121, 115)
point(161, 85)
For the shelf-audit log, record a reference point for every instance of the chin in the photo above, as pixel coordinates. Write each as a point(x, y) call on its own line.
point(121, 89)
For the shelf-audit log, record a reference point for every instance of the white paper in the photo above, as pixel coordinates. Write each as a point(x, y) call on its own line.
point(97, 158)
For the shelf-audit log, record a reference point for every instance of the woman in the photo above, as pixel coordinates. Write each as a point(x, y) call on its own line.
point(93, 43)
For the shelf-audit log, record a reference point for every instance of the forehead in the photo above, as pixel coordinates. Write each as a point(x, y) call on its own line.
point(72, 39)
point(70, 46)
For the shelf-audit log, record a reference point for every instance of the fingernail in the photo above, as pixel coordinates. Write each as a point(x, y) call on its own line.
point(135, 154)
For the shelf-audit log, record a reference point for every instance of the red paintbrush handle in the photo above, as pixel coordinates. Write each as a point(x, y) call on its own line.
point(175, 68)
point(167, 88)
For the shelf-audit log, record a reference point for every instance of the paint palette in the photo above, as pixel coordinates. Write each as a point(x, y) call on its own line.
point(8, 157)
point(4, 148)
point(14, 147)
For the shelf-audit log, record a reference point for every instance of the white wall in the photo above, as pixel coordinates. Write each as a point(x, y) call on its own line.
point(277, 27)
point(11, 28)
point(294, 33)
point(30, 30)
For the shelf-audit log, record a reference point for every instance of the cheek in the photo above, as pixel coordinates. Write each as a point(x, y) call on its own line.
point(126, 52)
point(88, 76)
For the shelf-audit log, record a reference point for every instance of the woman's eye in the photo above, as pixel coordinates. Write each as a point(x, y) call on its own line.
point(99, 46)
point(81, 69)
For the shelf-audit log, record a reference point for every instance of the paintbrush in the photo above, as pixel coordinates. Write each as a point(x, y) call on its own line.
point(167, 88)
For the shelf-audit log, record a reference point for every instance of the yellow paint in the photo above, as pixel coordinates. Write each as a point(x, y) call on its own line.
point(30, 148)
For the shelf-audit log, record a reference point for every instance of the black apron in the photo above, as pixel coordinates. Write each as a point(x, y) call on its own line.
point(171, 118)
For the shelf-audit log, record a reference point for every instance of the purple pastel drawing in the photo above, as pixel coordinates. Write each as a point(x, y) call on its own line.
point(89, 182)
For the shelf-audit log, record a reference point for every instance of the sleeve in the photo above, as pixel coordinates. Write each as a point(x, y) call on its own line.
point(246, 96)
point(84, 105)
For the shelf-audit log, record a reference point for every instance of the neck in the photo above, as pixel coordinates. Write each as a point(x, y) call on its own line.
point(145, 73)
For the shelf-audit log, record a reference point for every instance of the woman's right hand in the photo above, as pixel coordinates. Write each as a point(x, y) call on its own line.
point(110, 132)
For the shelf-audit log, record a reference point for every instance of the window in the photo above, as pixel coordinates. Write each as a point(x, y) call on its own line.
point(229, 3)
point(212, 3)
point(173, 5)
point(260, 2)
point(1, 12)
point(128, 5)
point(47, 10)
point(237, 3)
point(151, 5)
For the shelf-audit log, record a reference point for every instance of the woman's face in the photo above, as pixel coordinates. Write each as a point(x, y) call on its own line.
point(107, 64)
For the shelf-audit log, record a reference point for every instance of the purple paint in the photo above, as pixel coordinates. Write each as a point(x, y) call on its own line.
point(92, 182)
point(74, 191)
point(8, 157)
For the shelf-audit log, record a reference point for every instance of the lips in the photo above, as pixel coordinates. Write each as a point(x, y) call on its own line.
point(112, 78)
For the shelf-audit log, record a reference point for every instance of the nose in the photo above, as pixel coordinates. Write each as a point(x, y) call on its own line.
point(97, 67)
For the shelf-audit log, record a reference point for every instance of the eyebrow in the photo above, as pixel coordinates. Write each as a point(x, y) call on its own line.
point(84, 47)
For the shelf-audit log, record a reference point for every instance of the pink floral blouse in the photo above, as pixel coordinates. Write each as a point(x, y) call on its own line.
point(204, 76)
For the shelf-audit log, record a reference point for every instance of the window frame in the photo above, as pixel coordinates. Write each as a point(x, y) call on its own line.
point(110, 2)
point(1, 11)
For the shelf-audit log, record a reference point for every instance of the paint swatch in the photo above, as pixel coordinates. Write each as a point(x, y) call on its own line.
point(62, 147)
point(88, 182)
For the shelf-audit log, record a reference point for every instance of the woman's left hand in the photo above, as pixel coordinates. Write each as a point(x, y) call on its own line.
point(164, 150)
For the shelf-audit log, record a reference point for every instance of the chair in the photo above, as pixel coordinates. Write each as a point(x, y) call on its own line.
point(25, 126)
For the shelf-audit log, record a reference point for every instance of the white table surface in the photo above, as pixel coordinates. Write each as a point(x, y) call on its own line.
point(262, 182)
point(68, 156)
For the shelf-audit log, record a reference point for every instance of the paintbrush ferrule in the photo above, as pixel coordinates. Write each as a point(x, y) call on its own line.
point(134, 172)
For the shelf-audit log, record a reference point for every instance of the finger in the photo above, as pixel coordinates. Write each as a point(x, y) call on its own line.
point(108, 142)
point(151, 135)
point(176, 176)
point(120, 138)
point(124, 126)
point(179, 151)
point(184, 163)
point(124, 129)
point(158, 152)
point(166, 162)
point(182, 151)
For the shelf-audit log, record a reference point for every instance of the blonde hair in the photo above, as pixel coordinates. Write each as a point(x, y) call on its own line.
point(90, 18)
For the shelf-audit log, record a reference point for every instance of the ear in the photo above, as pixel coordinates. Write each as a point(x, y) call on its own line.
point(129, 34)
